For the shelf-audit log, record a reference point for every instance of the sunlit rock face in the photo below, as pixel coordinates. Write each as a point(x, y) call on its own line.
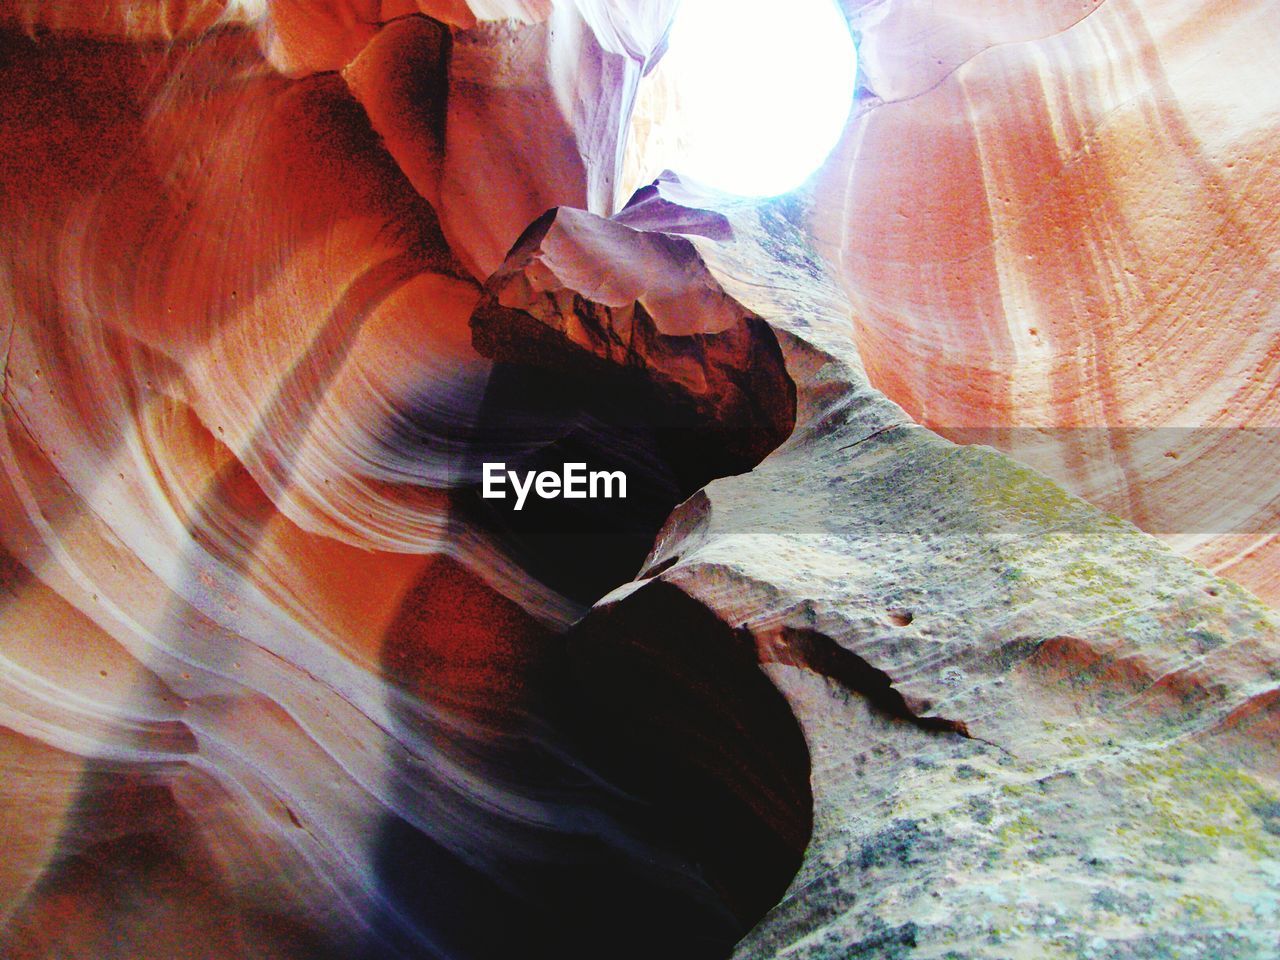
point(279, 278)
point(1057, 219)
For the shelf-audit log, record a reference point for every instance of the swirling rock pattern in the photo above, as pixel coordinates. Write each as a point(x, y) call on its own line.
point(1055, 224)
point(274, 682)
point(278, 277)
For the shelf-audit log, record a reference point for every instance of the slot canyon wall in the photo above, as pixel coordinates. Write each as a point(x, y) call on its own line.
point(935, 622)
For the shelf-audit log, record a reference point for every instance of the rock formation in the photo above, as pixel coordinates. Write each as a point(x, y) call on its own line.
point(279, 278)
point(1033, 730)
point(1053, 223)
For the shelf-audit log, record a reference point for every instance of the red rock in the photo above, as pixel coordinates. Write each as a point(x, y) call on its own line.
point(1044, 218)
point(710, 368)
point(273, 681)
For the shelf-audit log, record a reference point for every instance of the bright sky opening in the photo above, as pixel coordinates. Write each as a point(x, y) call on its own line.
point(764, 90)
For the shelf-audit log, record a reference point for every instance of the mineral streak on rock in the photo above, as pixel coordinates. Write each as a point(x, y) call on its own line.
point(1055, 224)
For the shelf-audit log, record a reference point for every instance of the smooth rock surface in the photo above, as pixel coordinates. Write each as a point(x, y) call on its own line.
point(273, 683)
point(1055, 224)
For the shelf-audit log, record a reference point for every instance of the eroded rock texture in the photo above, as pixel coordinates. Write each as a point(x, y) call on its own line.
point(592, 297)
point(277, 278)
point(1033, 730)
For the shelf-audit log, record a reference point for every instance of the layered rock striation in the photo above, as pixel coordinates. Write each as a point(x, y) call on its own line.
point(1054, 224)
point(276, 680)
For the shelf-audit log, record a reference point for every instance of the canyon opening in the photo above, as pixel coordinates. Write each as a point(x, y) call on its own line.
point(754, 101)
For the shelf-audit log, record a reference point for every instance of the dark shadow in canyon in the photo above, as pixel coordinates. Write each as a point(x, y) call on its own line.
point(672, 702)
point(652, 855)
point(586, 838)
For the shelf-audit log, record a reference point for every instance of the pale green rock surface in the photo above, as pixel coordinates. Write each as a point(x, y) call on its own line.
point(1082, 760)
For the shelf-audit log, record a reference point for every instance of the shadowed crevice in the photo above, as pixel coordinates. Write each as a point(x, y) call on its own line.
point(672, 702)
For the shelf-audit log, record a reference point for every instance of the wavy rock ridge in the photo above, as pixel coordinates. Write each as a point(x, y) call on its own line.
point(1055, 226)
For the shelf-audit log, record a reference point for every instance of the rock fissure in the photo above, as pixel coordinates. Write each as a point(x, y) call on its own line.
point(815, 651)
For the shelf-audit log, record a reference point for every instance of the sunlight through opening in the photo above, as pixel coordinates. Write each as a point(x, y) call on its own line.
point(762, 91)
